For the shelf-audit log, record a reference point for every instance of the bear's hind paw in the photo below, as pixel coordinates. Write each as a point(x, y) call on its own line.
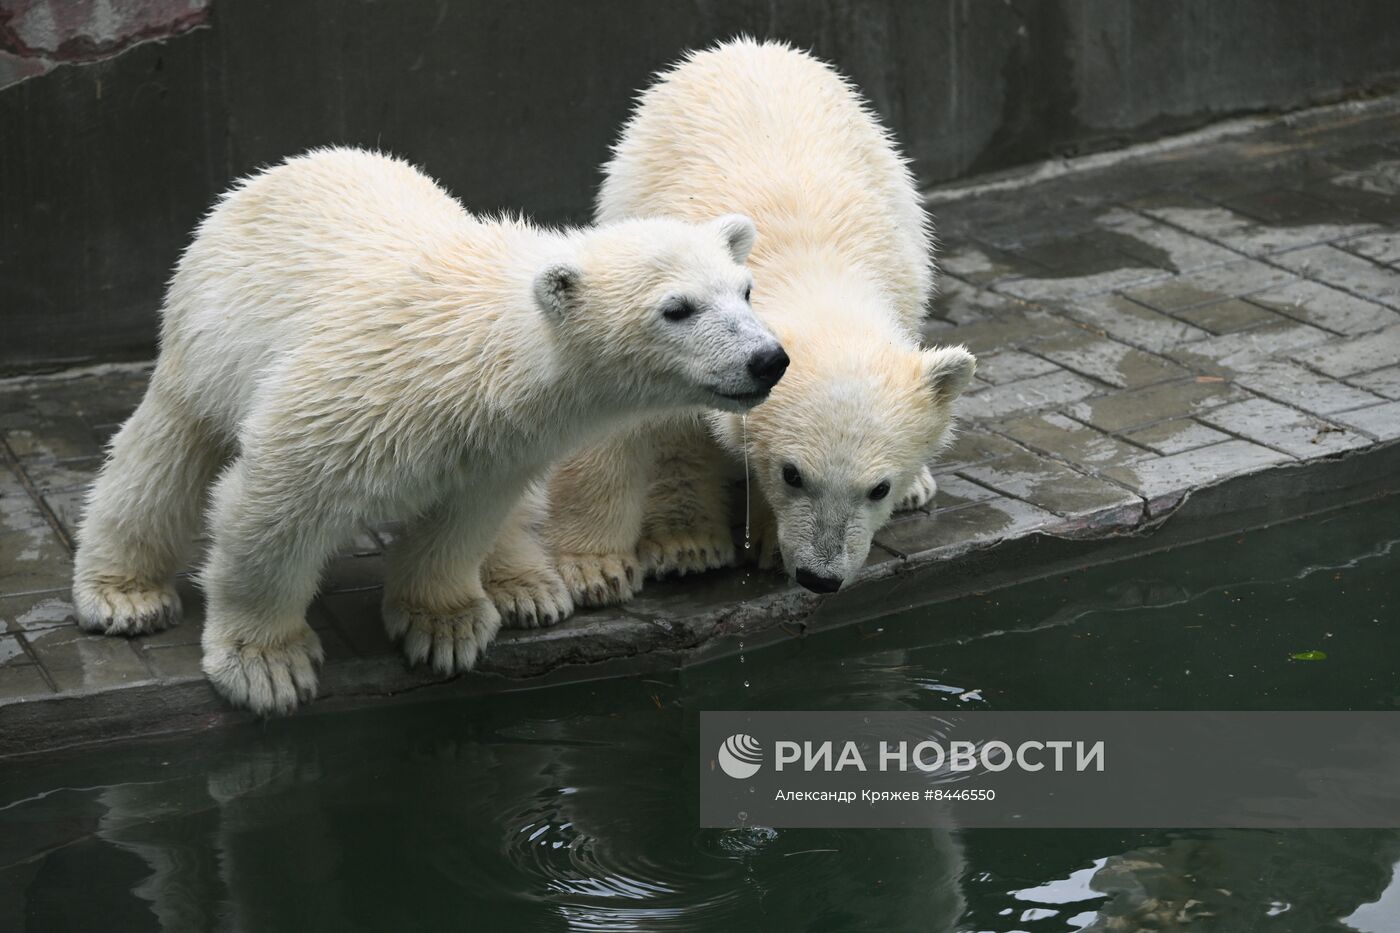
point(531, 599)
point(685, 553)
point(450, 640)
point(266, 679)
point(600, 579)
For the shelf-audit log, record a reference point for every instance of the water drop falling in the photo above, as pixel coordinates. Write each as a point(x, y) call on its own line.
point(745, 419)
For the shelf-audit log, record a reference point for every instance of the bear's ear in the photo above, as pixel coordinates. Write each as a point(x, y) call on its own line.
point(948, 370)
point(557, 288)
point(738, 233)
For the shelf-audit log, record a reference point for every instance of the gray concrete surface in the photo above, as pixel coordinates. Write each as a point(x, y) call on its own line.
point(121, 121)
point(1177, 346)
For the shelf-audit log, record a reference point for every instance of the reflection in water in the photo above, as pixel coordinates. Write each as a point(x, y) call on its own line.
point(575, 808)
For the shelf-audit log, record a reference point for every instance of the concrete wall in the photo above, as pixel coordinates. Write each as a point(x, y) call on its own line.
point(117, 129)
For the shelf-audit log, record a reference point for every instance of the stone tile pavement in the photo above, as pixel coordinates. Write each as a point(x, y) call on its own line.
point(1145, 331)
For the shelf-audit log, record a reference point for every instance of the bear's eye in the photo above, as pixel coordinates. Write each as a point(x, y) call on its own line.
point(880, 491)
point(791, 476)
point(748, 292)
point(677, 309)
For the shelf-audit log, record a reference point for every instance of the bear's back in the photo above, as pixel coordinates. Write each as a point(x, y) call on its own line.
point(771, 132)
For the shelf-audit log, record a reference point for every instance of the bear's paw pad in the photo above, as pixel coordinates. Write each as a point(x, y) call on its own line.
point(600, 579)
point(920, 492)
point(126, 607)
point(450, 640)
point(686, 552)
point(266, 679)
point(530, 599)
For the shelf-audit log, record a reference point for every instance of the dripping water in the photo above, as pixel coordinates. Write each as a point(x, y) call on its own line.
point(745, 420)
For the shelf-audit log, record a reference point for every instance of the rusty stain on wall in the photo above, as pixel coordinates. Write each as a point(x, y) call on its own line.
point(37, 36)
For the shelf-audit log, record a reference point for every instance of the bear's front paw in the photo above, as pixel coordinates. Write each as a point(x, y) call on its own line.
point(530, 598)
point(451, 640)
point(600, 579)
point(920, 492)
point(686, 552)
point(125, 607)
point(266, 679)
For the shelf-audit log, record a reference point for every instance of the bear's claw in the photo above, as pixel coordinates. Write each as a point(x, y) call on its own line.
point(531, 599)
point(126, 608)
point(685, 553)
point(267, 679)
point(450, 640)
point(920, 492)
point(600, 579)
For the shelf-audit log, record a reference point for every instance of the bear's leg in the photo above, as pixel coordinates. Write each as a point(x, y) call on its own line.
point(270, 541)
point(141, 515)
point(686, 529)
point(920, 492)
point(596, 500)
point(519, 576)
point(433, 596)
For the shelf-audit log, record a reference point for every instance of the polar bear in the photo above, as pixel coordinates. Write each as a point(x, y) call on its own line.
point(358, 348)
point(843, 265)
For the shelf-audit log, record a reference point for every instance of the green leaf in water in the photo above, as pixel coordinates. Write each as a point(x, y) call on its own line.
point(1309, 656)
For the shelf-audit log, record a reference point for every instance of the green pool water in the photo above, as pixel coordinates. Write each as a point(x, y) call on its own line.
point(575, 808)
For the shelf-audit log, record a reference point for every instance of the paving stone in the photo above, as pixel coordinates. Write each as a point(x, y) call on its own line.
point(78, 661)
point(1108, 361)
point(1384, 382)
point(978, 524)
point(972, 445)
point(1282, 207)
point(1249, 236)
point(1302, 388)
point(68, 507)
point(1070, 440)
point(1383, 248)
point(29, 612)
point(175, 662)
point(1227, 317)
point(1184, 251)
point(1132, 323)
point(32, 560)
point(17, 509)
point(1011, 366)
point(980, 264)
point(1080, 254)
point(1229, 280)
point(1177, 436)
point(1239, 352)
point(1139, 407)
point(1177, 474)
point(1284, 428)
point(1347, 272)
point(57, 438)
point(1006, 331)
point(63, 475)
point(1076, 287)
point(359, 620)
point(954, 492)
point(1380, 421)
point(1349, 357)
point(1054, 388)
point(1050, 485)
point(1325, 307)
point(23, 682)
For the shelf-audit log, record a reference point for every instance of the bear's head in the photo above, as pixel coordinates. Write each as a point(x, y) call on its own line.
point(660, 309)
point(838, 445)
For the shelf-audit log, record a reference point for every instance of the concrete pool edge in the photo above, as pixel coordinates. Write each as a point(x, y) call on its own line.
point(613, 644)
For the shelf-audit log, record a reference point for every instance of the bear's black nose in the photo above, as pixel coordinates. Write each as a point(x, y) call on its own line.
point(817, 583)
point(768, 366)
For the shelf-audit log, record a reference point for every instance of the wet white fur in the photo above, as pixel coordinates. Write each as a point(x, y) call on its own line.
point(343, 343)
point(842, 268)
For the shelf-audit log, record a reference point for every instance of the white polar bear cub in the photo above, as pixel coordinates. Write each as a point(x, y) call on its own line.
point(358, 348)
point(843, 264)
